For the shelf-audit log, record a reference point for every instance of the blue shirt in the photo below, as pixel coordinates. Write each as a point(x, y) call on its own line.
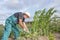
point(19, 15)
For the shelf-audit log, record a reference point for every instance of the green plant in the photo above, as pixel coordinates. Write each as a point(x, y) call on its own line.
point(51, 36)
point(41, 23)
point(1, 30)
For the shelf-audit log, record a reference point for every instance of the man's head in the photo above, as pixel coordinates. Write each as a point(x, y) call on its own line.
point(26, 15)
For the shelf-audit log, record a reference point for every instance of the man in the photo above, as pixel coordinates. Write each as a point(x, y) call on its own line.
point(10, 24)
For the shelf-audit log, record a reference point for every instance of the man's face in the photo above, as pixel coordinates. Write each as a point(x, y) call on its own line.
point(25, 16)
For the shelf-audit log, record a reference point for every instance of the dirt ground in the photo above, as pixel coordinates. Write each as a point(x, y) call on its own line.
point(57, 37)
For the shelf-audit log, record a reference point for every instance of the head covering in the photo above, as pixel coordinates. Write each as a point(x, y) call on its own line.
point(28, 14)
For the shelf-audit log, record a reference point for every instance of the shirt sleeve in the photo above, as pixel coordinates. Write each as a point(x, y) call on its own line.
point(20, 15)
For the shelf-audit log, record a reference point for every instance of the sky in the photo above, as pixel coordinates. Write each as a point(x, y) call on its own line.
point(9, 7)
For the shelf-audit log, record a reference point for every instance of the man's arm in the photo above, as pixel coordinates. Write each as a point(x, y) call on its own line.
point(23, 25)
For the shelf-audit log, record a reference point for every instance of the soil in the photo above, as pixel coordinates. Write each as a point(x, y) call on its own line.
point(57, 37)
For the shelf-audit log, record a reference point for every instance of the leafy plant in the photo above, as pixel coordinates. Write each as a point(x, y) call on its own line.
point(41, 23)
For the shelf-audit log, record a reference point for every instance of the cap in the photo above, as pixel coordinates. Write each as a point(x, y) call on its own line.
point(27, 13)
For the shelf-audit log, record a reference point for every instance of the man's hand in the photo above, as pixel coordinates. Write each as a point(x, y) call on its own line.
point(25, 28)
